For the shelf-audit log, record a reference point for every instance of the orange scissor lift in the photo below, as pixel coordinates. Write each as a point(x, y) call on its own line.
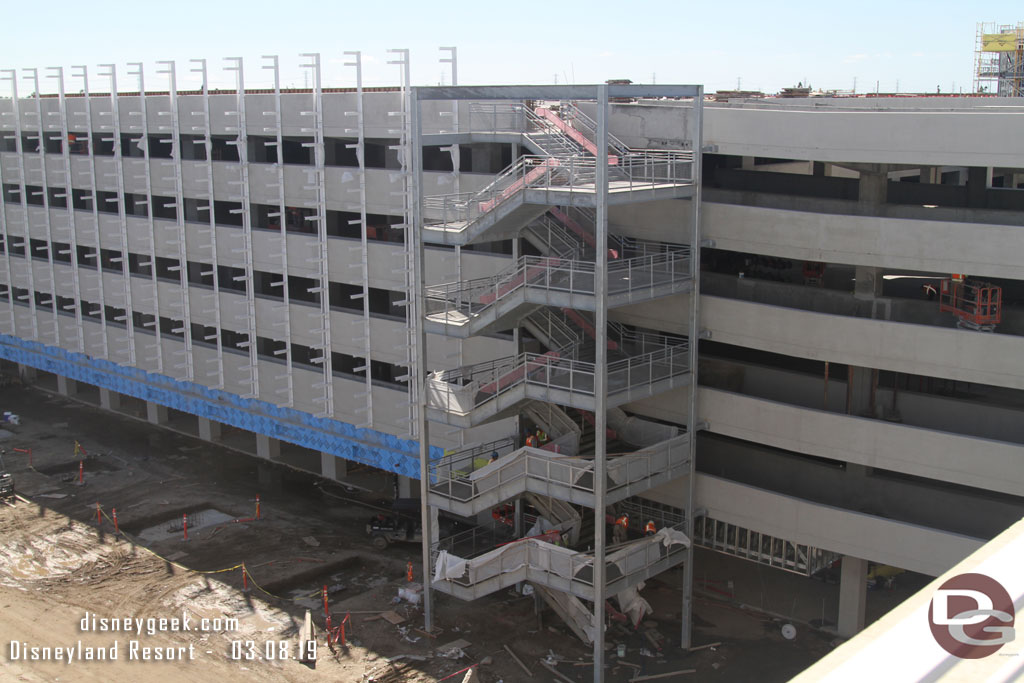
point(977, 305)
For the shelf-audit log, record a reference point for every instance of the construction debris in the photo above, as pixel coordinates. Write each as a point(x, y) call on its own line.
point(556, 673)
point(518, 661)
point(392, 617)
point(664, 675)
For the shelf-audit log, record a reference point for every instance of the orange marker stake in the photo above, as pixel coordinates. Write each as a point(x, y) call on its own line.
point(114, 512)
point(326, 612)
point(408, 572)
point(257, 507)
point(245, 580)
point(99, 517)
point(184, 522)
point(81, 470)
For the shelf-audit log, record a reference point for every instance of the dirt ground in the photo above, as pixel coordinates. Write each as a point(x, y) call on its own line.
point(57, 566)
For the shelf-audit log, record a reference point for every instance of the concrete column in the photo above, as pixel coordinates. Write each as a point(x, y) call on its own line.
point(405, 487)
point(66, 386)
point(267, 448)
point(209, 430)
point(480, 158)
point(867, 282)
point(332, 467)
point(156, 413)
point(109, 400)
point(977, 183)
point(931, 175)
point(747, 163)
point(27, 373)
point(853, 595)
point(872, 190)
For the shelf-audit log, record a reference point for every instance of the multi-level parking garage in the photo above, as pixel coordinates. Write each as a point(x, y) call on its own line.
point(290, 262)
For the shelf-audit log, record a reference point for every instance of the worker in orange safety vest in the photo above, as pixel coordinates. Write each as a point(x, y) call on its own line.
point(649, 528)
point(531, 441)
point(621, 531)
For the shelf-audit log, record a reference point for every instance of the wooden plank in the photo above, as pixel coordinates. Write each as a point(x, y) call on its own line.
point(461, 643)
point(665, 675)
point(518, 661)
point(555, 671)
point(701, 647)
point(392, 617)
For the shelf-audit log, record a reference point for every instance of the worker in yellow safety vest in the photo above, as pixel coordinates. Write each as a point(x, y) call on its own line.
point(542, 437)
point(649, 529)
point(621, 531)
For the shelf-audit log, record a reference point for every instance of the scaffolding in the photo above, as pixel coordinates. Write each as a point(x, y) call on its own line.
point(999, 59)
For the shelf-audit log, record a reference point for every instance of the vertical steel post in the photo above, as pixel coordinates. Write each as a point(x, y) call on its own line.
point(600, 375)
point(23, 193)
point(4, 228)
point(46, 208)
point(95, 207)
point(153, 280)
point(129, 303)
point(179, 214)
point(364, 246)
point(692, 419)
point(73, 228)
point(212, 220)
point(324, 257)
point(278, 144)
point(242, 145)
point(416, 311)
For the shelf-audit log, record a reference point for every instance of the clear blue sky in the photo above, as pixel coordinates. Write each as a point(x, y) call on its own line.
point(761, 45)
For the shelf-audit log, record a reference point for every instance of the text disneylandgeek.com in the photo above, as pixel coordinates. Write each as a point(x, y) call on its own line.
point(134, 650)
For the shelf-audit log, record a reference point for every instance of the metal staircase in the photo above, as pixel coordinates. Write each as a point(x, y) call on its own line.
point(533, 184)
point(548, 198)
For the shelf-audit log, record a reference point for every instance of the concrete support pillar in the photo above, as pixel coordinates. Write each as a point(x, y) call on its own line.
point(267, 447)
point(853, 595)
point(109, 400)
point(867, 282)
point(156, 413)
point(66, 386)
point(747, 163)
point(209, 430)
point(332, 467)
point(27, 373)
point(480, 158)
point(405, 487)
point(931, 175)
point(977, 184)
point(872, 190)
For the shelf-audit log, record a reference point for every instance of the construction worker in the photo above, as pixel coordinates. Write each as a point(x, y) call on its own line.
point(621, 531)
point(649, 528)
point(494, 456)
point(532, 441)
point(542, 437)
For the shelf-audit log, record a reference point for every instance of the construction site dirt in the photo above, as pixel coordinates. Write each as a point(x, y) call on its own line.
point(63, 576)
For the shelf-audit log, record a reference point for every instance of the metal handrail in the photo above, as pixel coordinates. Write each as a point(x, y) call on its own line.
point(635, 171)
point(471, 298)
point(589, 127)
point(564, 567)
point(464, 389)
point(546, 467)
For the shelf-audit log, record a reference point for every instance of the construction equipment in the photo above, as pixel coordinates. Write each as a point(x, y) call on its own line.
point(403, 524)
point(977, 305)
